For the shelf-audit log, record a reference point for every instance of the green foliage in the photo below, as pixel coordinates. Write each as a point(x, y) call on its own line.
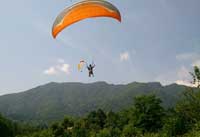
point(131, 131)
point(152, 135)
point(189, 106)
point(43, 133)
point(148, 113)
point(96, 120)
point(79, 129)
point(6, 127)
point(67, 123)
point(104, 133)
point(112, 120)
point(195, 132)
point(174, 124)
point(57, 130)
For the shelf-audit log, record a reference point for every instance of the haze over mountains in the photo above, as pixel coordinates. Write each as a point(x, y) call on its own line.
point(55, 100)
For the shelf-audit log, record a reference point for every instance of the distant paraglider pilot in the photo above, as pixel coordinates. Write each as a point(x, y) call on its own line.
point(90, 69)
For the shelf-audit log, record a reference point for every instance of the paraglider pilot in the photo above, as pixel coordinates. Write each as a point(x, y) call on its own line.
point(90, 69)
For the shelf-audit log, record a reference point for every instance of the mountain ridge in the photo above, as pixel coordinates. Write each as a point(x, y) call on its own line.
point(53, 100)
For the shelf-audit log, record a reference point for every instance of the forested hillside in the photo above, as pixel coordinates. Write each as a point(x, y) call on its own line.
point(54, 100)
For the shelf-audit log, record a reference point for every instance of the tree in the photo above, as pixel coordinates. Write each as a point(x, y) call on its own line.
point(104, 133)
point(196, 76)
point(112, 120)
point(96, 120)
point(67, 122)
point(57, 130)
point(6, 127)
point(43, 133)
point(131, 131)
point(148, 113)
point(79, 129)
point(174, 125)
point(188, 108)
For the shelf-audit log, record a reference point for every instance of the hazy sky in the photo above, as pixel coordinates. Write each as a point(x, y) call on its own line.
point(158, 40)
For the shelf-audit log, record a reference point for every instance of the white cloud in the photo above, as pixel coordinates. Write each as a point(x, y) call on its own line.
point(180, 76)
point(185, 83)
point(183, 73)
point(184, 78)
point(124, 56)
point(60, 60)
point(51, 71)
point(187, 56)
point(64, 68)
point(60, 67)
point(193, 57)
point(166, 78)
point(196, 63)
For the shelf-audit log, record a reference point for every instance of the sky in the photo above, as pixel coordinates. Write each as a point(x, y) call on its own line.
point(157, 40)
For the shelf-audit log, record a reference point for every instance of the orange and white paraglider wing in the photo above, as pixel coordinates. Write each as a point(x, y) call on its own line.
point(83, 10)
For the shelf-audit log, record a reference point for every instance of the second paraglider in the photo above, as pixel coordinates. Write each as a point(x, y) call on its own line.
point(81, 65)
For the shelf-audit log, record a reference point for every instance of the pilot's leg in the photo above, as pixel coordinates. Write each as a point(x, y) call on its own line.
point(89, 74)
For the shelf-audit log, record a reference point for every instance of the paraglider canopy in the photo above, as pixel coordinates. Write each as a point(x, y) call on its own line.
point(80, 65)
point(83, 10)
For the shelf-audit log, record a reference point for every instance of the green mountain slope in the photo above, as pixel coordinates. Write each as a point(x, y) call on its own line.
point(54, 100)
